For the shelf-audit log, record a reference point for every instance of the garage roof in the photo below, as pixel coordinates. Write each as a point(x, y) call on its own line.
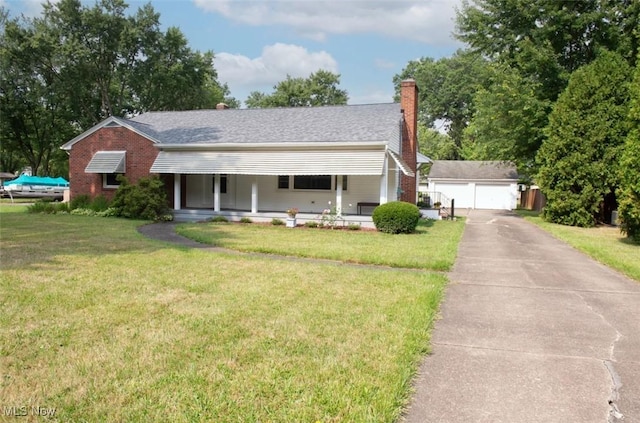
point(478, 170)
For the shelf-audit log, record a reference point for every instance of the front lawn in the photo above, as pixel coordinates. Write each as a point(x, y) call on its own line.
point(104, 325)
point(433, 246)
point(604, 243)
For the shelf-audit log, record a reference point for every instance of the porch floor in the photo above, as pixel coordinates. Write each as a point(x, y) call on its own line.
point(198, 215)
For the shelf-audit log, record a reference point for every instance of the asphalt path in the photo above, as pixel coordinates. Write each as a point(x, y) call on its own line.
point(531, 330)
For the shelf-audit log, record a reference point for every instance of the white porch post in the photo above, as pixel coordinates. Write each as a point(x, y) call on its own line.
point(216, 192)
point(254, 195)
point(176, 191)
point(384, 182)
point(339, 194)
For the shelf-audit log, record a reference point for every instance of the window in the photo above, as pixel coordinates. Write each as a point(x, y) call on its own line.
point(283, 182)
point(344, 182)
point(312, 182)
point(110, 180)
point(223, 184)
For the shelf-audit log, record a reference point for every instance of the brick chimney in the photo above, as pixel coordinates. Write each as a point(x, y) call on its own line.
point(221, 106)
point(409, 106)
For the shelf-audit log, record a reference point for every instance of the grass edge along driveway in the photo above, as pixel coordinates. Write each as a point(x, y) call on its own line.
point(604, 243)
point(104, 325)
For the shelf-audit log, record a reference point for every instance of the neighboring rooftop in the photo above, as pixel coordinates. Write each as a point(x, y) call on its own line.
point(461, 169)
point(356, 123)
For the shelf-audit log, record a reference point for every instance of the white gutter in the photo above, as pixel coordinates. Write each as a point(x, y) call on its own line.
point(279, 145)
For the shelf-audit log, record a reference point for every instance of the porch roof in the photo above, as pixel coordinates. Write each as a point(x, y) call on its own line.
point(302, 162)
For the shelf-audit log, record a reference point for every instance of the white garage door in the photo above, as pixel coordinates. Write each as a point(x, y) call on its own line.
point(461, 193)
point(496, 197)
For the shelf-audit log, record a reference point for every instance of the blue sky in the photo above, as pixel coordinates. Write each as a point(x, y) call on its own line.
point(257, 43)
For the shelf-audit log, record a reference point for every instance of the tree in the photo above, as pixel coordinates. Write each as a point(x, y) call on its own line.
point(436, 145)
point(74, 65)
point(629, 190)
point(319, 89)
point(587, 127)
point(446, 88)
point(509, 121)
point(546, 40)
point(35, 117)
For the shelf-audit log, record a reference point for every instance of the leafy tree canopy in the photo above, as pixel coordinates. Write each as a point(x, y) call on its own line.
point(319, 89)
point(436, 145)
point(76, 64)
point(509, 121)
point(549, 39)
point(446, 88)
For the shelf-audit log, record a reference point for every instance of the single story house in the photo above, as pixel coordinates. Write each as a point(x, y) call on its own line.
point(474, 184)
point(258, 160)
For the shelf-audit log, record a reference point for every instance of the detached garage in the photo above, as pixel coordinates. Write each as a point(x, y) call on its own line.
point(474, 184)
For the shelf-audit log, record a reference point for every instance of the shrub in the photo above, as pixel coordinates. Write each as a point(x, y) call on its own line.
point(109, 212)
point(277, 222)
point(42, 206)
point(99, 203)
point(246, 220)
point(396, 217)
point(218, 219)
point(311, 224)
point(147, 200)
point(82, 201)
point(82, 212)
point(354, 226)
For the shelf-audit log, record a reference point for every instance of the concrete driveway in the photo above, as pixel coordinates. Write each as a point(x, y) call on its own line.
point(531, 331)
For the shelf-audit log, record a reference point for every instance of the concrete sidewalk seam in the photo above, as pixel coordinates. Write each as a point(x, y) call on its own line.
point(478, 347)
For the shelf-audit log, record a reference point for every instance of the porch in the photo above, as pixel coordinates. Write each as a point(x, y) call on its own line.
point(199, 215)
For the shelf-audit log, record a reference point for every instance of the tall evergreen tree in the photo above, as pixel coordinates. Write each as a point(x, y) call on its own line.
point(629, 191)
point(587, 128)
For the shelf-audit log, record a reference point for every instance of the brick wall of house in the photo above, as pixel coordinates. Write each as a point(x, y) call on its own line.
point(409, 105)
point(140, 156)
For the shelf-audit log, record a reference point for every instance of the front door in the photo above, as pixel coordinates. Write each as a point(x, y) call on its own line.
point(227, 191)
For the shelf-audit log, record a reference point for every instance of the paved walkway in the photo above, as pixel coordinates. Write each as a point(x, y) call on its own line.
point(531, 331)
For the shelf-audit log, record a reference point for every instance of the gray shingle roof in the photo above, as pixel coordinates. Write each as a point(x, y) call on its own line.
point(469, 170)
point(357, 123)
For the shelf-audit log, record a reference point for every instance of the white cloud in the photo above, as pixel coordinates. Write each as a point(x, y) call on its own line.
point(428, 21)
point(244, 74)
point(383, 64)
point(374, 96)
point(28, 8)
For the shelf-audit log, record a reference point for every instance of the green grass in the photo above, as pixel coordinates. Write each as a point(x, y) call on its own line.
point(604, 243)
point(105, 325)
point(433, 246)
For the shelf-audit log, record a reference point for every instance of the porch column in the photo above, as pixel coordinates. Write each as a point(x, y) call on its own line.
point(216, 192)
point(339, 194)
point(254, 195)
point(384, 182)
point(177, 195)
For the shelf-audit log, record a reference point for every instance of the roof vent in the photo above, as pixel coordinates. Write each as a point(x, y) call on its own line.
point(221, 106)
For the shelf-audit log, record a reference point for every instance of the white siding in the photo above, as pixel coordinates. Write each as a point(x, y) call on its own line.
point(496, 196)
point(270, 198)
point(462, 193)
point(478, 195)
